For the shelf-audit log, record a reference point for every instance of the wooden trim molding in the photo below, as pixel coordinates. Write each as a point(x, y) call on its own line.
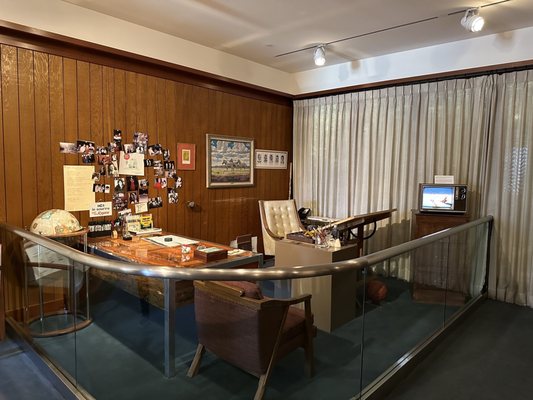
point(52, 43)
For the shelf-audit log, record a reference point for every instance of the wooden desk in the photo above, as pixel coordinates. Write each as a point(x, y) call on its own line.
point(164, 293)
point(333, 300)
point(139, 250)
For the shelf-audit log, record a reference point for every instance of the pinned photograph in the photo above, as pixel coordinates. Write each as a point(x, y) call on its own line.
point(140, 141)
point(104, 159)
point(155, 149)
point(117, 136)
point(107, 188)
point(128, 148)
point(178, 182)
point(134, 197)
point(85, 146)
point(159, 171)
point(98, 188)
point(87, 158)
point(160, 183)
point(112, 147)
point(155, 202)
point(172, 196)
point(112, 169)
point(166, 154)
point(171, 174)
point(148, 162)
point(101, 150)
point(143, 195)
point(103, 170)
point(143, 184)
point(120, 185)
point(119, 201)
point(96, 176)
point(167, 165)
point(68, 148)
point(132, 183)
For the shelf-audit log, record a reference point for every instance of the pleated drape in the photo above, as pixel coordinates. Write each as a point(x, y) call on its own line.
point(366, 151)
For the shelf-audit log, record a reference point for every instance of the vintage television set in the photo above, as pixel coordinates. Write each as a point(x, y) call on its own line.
point(442, 198)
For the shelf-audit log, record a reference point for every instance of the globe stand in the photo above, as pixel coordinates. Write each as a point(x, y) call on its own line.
point(45, 273)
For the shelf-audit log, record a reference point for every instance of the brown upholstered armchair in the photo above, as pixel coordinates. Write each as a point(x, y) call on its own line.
point(236, 323)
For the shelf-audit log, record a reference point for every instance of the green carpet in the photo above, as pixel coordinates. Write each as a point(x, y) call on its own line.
point(120, 355)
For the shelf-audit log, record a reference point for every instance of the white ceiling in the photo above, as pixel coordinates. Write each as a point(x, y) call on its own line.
point(260, 30)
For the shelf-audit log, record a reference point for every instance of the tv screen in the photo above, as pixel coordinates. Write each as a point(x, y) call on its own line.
point(437, 197)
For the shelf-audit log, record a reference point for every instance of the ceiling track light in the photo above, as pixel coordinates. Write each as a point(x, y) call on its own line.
point(320, 55)
point(472, 21)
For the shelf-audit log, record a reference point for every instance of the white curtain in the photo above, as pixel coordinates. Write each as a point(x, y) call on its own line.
point(367, 151)
point(508, 193)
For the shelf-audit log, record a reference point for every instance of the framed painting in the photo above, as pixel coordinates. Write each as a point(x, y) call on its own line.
point(229, 161)
point(270, 159)
point(186, 156)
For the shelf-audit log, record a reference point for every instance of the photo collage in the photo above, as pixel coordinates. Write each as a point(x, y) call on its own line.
point(121, 169)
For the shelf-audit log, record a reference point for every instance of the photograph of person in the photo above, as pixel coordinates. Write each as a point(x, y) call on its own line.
point(128, 148)
point(112, 169)
point(117, 135)
point(143, 195)
point(134, 197)
point(172, 196)
point(87, 158)
point(143, 184)
point(132, 183)
point(166, 154)
point(155, 149)
point(120, 185)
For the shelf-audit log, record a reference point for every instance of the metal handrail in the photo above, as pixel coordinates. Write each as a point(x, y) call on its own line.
point(273, 273)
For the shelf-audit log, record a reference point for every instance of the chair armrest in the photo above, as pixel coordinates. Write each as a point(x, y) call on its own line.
point(288, 302)
point(272, 234)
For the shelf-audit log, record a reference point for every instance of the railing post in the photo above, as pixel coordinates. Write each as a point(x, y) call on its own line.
point(170, 326)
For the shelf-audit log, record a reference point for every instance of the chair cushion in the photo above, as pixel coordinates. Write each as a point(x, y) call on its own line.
point(250, 289)
point(295, 323)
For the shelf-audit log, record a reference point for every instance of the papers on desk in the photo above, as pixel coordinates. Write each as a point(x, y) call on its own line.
point(171, 240)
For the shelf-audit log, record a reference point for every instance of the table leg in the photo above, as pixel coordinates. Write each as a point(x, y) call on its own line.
point(170, 326)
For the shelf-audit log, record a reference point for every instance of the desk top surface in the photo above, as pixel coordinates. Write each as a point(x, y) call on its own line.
point(143, 251)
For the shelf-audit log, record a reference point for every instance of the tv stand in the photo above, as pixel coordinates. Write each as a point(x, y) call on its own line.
point(430, 283)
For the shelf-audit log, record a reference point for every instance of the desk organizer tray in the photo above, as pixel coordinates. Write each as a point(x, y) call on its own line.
point(300, 237)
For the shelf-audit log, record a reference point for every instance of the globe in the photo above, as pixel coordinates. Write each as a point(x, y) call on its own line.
point(55, 223)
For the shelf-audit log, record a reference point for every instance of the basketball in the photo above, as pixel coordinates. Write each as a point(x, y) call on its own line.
point(376, 291)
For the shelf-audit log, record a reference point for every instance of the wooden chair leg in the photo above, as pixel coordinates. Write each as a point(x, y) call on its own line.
point(195, 365)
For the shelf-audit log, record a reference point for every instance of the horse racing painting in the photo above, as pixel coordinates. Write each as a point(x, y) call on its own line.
point(229, 161)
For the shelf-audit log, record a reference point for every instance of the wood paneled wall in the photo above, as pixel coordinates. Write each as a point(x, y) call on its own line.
point(48, 98)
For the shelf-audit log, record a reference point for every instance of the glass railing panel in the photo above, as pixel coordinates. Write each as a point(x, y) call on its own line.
point(126, 341)
point(403, 305)
point(40, 283)
point(466, 268)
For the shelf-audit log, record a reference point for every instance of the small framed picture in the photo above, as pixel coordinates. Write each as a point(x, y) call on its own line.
point(186, 156)
point(270, 159)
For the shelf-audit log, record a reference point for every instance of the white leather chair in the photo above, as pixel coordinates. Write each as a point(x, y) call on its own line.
point(278, 217)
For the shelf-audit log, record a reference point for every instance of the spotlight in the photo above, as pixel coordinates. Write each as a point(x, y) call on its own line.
point(472, 21)
point(320, 55)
